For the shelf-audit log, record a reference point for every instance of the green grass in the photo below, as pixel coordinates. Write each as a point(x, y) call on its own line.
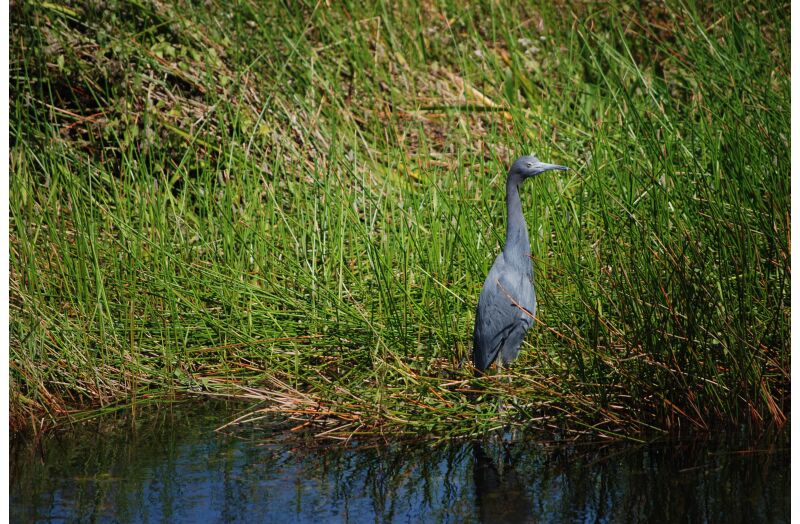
point(299, 205)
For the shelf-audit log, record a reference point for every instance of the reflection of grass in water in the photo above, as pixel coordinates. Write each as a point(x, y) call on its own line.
point(301, 206)
point(172, 462)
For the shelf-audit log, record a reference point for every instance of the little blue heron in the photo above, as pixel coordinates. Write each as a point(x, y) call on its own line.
point(507, 305)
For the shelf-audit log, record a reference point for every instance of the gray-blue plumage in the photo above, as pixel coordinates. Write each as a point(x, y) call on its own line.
point(507, 305)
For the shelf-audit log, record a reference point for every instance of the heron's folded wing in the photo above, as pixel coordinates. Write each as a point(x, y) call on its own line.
point(498, 314)
point(491, 330)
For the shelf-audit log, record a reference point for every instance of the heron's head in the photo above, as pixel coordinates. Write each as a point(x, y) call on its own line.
point(528, 166)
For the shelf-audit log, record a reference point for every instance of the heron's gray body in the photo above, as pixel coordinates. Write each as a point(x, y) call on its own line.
point(507, 304)
point(506, 310)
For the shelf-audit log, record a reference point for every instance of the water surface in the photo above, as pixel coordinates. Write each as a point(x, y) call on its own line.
point(169, 465)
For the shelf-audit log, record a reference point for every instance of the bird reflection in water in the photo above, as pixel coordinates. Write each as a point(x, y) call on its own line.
point(500, 494)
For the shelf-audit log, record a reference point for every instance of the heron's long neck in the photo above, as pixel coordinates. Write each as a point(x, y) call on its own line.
point(518, 246)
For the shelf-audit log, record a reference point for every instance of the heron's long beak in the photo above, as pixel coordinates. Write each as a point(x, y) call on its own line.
point(542, 167)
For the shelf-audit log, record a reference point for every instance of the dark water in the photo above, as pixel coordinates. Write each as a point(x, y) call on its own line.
point(170, 466)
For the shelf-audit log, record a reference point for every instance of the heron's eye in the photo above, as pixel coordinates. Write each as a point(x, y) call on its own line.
point(530, 165)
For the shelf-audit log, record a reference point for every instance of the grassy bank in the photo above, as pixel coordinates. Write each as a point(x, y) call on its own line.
point(300, 205)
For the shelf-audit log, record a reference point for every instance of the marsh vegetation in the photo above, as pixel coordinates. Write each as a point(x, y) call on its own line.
point(299, 205)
